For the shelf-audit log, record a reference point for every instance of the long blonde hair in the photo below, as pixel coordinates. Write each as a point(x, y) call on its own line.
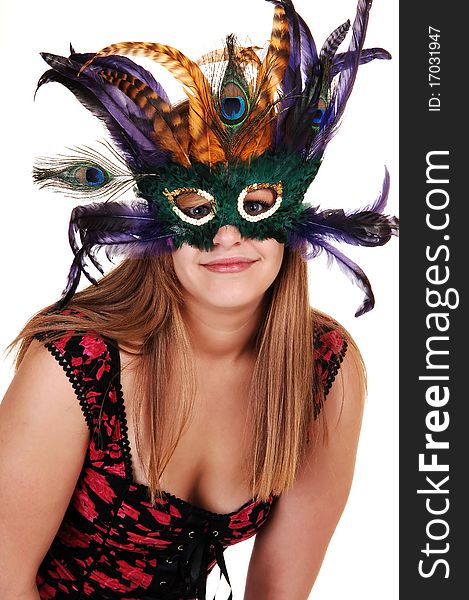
point(138, 305)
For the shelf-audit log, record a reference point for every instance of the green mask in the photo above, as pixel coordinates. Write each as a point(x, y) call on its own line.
point(241, 150)
point(193, 204)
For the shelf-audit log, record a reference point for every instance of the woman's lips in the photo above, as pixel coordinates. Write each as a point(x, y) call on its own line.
point(229, 265)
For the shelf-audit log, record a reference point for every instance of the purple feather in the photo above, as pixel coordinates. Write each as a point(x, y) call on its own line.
point(303, 52)
point(333, 42)
point(136, 160)
point(381, 201)
point(119, 224)
point(303, 65)
point(134, 125)
point(366, 227)
point(363, 227)
point(124, 65)
point(355, 273)
point(117, 227)
point(73, 280)
point(345, 81)
point(309, 62)
point(307, 75)
point(294, 120)
point(351, 269)
point(365, 56)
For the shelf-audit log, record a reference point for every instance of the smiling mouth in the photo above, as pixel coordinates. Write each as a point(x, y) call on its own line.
point(229, 265)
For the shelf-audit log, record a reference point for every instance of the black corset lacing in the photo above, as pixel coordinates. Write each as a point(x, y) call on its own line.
point(189, 563)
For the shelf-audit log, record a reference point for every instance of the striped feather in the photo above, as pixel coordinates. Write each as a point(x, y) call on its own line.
point(205, 146)
point(167, 131)
point(245, 56)
point(346, 79)
point(333, 42)
point(269, 77)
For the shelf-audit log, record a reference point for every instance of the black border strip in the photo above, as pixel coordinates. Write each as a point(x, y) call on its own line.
point(434, 206)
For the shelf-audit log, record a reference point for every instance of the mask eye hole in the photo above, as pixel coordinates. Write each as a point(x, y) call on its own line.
point(192, 205)
point(259, 201)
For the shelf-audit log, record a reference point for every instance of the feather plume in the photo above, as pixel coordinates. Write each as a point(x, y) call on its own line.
point(333, 41)
point(256, 136)
point(120, 228)
point(312, 102)
point(126, 122)
point(167, 130)
point(366, 56)
point(65, 173)
point(365, 227)
point(356, 274)
point(273, 66)
point(303, 56)
point(346, 79)
point(205, 146)
point(123, 64)
point(310, 60)
point(348, 267)
point(245, 56)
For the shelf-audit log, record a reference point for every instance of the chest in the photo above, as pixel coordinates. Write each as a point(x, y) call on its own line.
point(208, 467)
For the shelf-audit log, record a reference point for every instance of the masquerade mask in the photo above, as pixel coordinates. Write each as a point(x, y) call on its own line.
point(241, 150)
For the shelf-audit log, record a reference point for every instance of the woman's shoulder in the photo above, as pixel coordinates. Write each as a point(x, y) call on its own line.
point(88, 357)
point(71, 335)
point(330, 345)
point(89, 360)
point(335, 351)
point(330, 337)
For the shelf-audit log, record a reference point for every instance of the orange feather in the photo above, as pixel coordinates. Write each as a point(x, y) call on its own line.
point(246, 56)
point(205, 145)
point(166, 127)
point(259, 126)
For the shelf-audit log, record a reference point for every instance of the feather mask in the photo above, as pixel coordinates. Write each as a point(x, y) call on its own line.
point(251, 121)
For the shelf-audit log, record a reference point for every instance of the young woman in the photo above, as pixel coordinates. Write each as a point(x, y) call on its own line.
point(179, 406)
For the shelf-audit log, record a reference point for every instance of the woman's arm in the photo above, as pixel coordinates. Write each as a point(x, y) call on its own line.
point(289, 549)
point(43, 441)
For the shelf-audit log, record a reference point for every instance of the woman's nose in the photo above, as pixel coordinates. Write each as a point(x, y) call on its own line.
point(227, 236)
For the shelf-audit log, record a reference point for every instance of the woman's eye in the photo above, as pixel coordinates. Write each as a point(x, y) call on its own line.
point(259, 201)
point(253, 207)
point(197, 212)
point(192, 205)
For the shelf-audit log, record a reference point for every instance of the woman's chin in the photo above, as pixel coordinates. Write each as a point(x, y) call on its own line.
point(230, 304)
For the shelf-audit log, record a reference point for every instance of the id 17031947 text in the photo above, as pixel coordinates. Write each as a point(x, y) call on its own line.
point(434, 68)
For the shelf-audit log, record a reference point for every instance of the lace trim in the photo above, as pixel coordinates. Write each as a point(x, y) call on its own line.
point(334, 367)
point(76, 384)
point(120, 408)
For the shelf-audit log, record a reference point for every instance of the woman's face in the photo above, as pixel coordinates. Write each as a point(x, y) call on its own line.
point(236, 272)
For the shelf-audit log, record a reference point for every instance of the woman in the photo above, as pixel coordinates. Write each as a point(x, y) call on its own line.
point(215, 289)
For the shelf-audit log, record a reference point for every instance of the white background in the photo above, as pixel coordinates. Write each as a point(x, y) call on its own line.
point(361, 563)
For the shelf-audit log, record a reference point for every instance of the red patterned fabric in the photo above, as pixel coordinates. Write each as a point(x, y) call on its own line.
point(113, 543)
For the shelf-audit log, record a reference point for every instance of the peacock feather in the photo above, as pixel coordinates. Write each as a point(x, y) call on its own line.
point(251, 119)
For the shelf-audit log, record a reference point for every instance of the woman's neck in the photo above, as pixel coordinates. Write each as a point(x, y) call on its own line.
point(222, 333)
